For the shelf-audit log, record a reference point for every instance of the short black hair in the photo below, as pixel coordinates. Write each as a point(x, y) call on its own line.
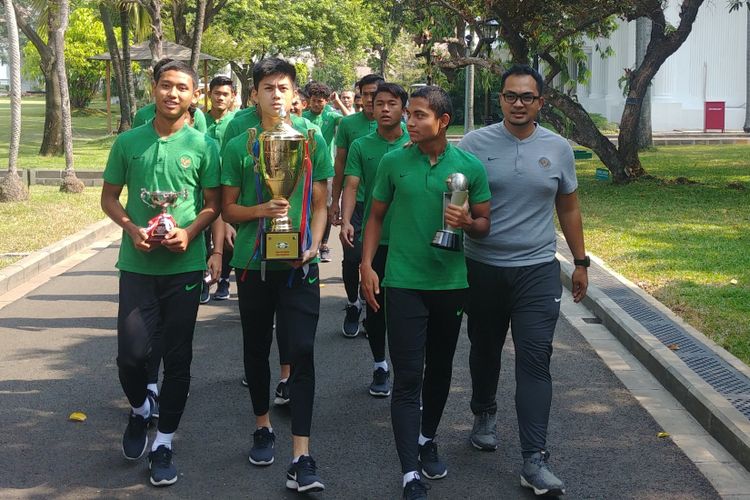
point(523, 69)
point(437, 99)
point(369, 79)
point(158, 66)
point(395, 90)
point(182, 67)
point(318, 89)
point(273, 66)
point(303, 94)
point(220, 81)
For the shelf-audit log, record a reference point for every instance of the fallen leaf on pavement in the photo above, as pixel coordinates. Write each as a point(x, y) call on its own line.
point(77, 416)
point(662, 434)
point(673, 347)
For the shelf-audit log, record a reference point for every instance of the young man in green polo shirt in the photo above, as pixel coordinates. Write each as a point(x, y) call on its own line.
point(352, 128)
point(324, 116)
point(160, 281)
point(265, 287)
point(426, 286)
point(194, 116)
point(361, 166)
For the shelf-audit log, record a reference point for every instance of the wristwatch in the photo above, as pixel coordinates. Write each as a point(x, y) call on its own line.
point(585, 262)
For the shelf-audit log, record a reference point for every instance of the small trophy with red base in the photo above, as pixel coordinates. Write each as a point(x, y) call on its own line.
point(158, 227)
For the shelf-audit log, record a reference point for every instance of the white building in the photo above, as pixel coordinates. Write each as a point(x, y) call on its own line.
point(710, 66)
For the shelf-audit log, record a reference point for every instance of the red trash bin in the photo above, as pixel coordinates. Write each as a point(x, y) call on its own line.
point(713, 115)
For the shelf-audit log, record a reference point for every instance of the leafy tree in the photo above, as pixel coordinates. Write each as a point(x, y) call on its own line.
point(246, 31)
point(84, 37)
point(553, 32)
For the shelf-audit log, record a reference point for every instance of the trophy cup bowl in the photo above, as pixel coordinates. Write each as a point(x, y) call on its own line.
point(158, 227)
point(279, 160)
point(457, 194)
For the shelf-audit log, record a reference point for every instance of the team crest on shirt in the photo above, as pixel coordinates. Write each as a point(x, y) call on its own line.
point(185, 161)
point(544, 162)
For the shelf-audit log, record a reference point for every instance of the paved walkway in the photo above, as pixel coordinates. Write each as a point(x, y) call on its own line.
point(58, 349)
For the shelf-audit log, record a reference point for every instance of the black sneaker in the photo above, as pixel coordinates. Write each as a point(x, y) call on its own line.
point(282, 394)
point(302, 476)
point(262, 451)
point(222, 290)
point(325, 253)
point(415, 490)
point(163, 471)
point(351, 321)
point(205, 293)
point(135, 439)
point(432, 466)
point(380, 386)
point(154, 400)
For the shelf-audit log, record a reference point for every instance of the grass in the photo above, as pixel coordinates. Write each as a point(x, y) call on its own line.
point(91, 142)
point(683, 235)
point(48, 216)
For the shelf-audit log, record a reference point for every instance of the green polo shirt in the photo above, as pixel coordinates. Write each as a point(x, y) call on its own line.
point(362, 161)
point(237, 171)
point(148, 112)
point(216, 129)
point(327, 121)
point(242, 120)
point(414, 191)
point(187, 159)
point(350, 129)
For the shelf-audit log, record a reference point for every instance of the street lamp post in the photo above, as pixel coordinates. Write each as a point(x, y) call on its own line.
point(469, 90)
point(489, 30)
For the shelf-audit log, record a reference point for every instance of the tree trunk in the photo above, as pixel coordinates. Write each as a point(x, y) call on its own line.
point(245, 76)
point(642, 36)
point(157, 35)
point(746, 127)
point(59, 11)
point(114, 51)
point(179, 23)
point(127, 69)
point(200, 17)
point(11, 187)
point(52, 142)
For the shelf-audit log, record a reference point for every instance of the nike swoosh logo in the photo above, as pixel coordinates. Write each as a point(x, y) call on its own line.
point(557, 300)
point(460, 311)
point(312, 280)
point(403, 175)
point(190, 287)
point(490, 158)
point(370, 158)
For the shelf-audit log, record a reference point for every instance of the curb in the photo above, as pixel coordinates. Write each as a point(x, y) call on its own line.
point(41, 260)
point(711, 409)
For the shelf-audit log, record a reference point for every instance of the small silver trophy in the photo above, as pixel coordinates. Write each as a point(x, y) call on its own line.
point(159, 226)
point(457, 194)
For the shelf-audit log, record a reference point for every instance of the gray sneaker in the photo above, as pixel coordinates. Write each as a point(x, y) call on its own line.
point(537, 475)
point(484, 433)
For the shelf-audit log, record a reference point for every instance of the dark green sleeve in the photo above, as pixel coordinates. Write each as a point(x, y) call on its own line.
point(116, 170)
point(354, 161)
point(231, 163)
point(211, 169)
point(321, 159)
point(383, 188)
point(342, 135)
point(199, 121)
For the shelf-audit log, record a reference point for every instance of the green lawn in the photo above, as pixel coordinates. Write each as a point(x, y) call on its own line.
point(683, 235)
point(90, 140)
point(47, 217)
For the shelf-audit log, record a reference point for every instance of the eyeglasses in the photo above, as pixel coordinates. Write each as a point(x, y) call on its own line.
point(511, 98)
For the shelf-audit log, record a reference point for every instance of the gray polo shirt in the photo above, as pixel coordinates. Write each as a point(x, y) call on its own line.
point(525, 177)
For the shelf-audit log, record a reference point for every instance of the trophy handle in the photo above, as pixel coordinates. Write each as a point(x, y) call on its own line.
point(252, 135)
point(144, 197)
point(181, 196)
point(311, 144)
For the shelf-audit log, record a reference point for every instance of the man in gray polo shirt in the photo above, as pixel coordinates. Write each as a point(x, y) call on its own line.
point(514, 277)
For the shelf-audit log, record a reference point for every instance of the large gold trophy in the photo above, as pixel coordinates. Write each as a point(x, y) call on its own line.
point(280, 162)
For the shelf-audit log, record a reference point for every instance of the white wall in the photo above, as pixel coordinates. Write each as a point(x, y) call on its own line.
point(711, 64)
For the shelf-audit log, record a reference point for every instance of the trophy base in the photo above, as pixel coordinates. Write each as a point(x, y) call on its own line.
point(282, 246)
point(447, 240)
point(158, 228)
